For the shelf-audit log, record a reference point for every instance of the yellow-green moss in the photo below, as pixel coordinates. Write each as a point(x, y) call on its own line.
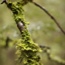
point(27, 50)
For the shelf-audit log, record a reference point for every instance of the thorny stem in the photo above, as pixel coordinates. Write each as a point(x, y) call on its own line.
point(52, 17)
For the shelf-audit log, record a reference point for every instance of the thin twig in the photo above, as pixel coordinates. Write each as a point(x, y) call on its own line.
point(52, 17)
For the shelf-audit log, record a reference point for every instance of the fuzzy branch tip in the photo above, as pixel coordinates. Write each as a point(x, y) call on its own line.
point(4, 1)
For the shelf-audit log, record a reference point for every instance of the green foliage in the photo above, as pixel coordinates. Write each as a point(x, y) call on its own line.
point(27, 50)
point(43, 30)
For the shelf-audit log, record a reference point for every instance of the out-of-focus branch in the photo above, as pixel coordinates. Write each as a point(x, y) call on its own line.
point(57, 60)
point(47, 50)
point(7, 42)
point(4, 1)
point(52, 17)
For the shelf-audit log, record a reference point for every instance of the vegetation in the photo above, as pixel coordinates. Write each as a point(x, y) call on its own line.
point(27, 50)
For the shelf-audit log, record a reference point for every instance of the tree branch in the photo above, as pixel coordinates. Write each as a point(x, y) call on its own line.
point(4, 1)
point(52, 17)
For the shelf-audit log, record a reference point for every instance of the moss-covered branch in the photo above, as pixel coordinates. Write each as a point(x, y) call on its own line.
point(27, 50)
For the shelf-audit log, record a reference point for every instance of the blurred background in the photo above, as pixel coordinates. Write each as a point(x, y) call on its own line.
point(43, 31)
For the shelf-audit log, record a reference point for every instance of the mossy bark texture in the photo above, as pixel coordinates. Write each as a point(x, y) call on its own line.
point(27, 50)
